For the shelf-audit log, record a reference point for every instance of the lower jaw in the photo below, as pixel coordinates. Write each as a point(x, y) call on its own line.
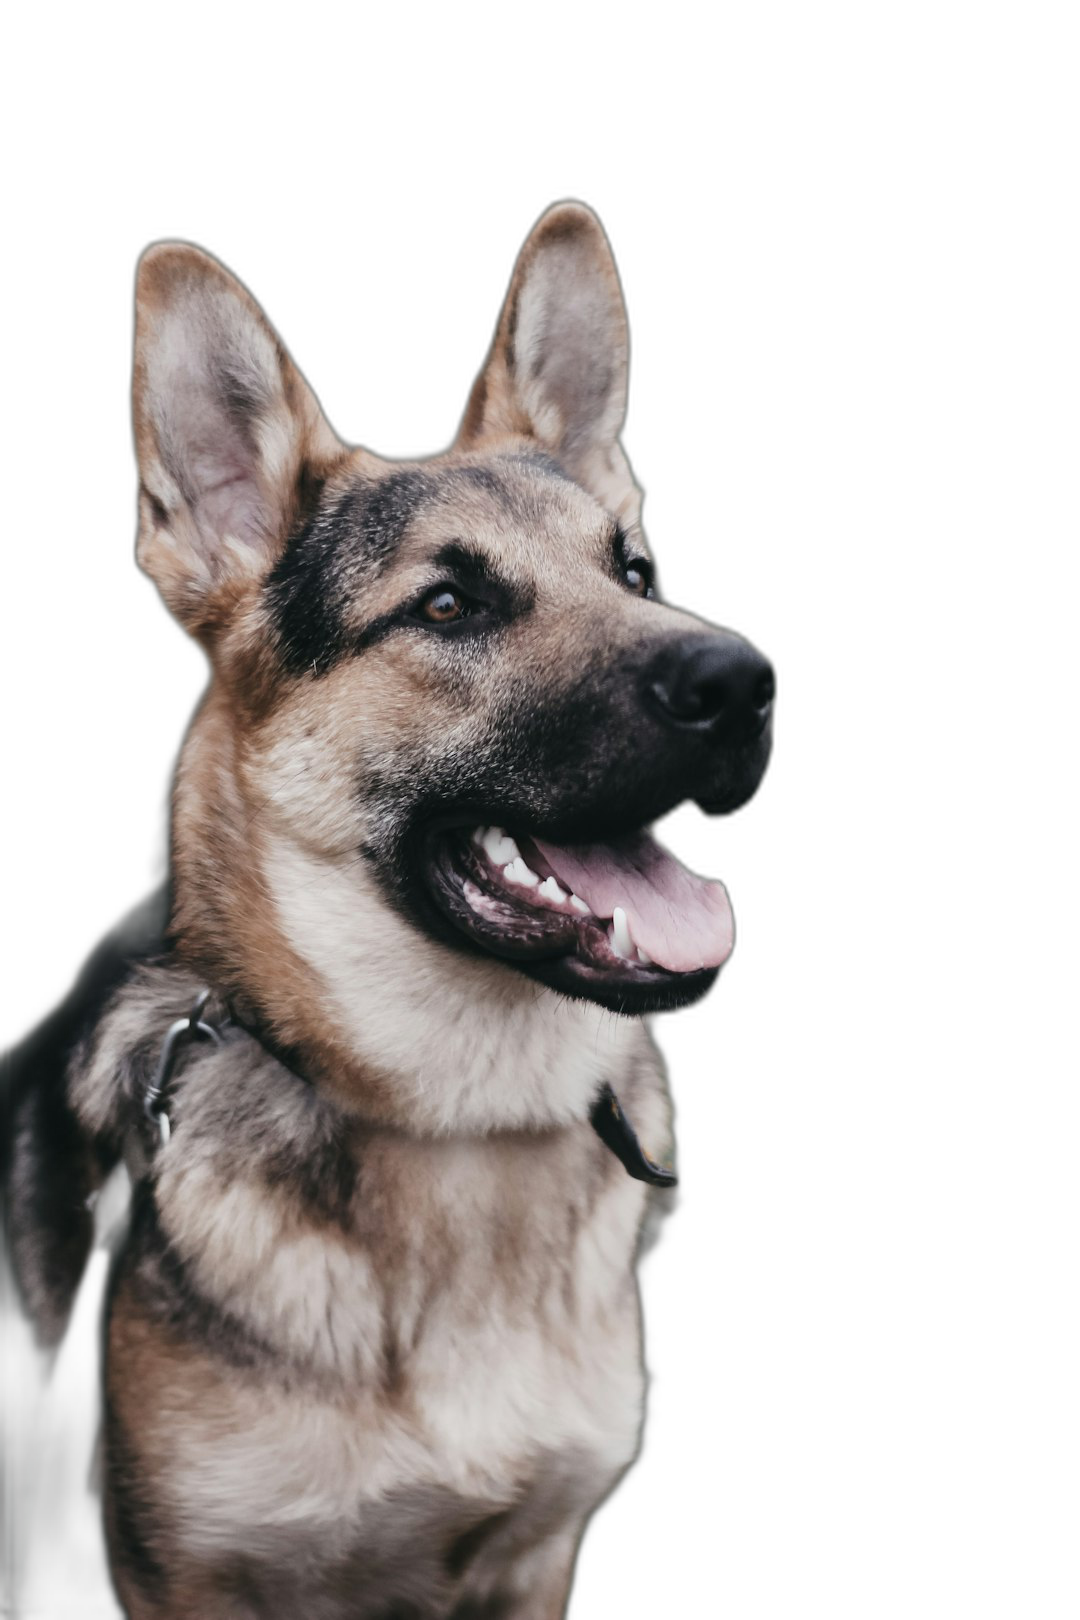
point(632, 996)
point(562, 964)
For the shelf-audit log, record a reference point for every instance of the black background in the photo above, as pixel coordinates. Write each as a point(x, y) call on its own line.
point(386, 295)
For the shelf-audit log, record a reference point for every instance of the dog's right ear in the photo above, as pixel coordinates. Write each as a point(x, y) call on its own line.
point(228, 435)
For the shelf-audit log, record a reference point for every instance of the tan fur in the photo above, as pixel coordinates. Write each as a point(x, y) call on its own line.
point(192, 314)
point(375, 1347)
point(411, 1363)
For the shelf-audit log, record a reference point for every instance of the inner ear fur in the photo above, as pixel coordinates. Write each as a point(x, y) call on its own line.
point(228, 434)
point(557, 369)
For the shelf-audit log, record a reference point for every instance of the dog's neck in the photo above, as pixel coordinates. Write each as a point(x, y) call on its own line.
point(398, 1027)
point(470, 1045)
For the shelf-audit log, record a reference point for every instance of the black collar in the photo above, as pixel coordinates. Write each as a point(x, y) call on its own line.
point(606, 1116)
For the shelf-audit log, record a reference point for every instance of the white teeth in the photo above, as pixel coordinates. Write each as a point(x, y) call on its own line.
point(478, 835)
point(620, 934)
point(499, 847)
point(551, 891)
point(579, 905)
point(644, 958)
point(518, 872)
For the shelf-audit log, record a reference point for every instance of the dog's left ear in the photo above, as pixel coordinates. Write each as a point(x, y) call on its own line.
point(557, 369)
point(228, 434)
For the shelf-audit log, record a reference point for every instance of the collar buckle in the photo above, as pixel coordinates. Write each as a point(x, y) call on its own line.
point(183, 1033)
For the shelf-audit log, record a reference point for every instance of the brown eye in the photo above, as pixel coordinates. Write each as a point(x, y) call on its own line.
point(442, 606)
point(638, 577)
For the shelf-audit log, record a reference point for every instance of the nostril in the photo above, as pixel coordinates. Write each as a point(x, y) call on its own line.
point(764, 690)
point(680, 703)
point(690, 702)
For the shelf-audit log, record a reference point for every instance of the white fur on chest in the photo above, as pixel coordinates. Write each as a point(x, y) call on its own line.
point(464, 1323)
point(505, 1359)
point(477, 1429)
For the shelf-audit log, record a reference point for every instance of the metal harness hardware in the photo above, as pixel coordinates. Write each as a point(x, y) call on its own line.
point(59, 1486)
point(68, 1432)
point(185, 1030)
point(606, 1117)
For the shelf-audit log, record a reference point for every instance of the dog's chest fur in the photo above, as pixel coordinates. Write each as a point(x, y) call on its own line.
point(349, 1332)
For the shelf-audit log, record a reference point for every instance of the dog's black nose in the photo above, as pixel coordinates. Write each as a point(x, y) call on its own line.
point(717, 683)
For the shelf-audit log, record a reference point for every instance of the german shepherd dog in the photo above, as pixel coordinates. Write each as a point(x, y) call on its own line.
point(372, 1340)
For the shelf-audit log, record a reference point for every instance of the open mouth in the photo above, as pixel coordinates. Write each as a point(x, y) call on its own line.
point(622, 923)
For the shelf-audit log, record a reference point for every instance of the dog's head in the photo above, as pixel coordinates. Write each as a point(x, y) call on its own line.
point(452, 684)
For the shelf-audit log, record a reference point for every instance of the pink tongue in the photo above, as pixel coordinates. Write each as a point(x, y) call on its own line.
point(682, 921)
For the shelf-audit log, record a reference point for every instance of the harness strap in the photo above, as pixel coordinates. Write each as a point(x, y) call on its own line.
point(616, 1132)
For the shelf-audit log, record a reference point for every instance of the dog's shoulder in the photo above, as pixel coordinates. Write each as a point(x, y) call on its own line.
point(52, 1157)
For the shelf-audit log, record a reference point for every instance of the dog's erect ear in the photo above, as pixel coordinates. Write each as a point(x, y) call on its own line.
point(558, 365)
point(228, 434)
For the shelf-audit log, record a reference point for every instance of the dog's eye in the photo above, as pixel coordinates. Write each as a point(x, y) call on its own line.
point(443, 606)
point(638, 576)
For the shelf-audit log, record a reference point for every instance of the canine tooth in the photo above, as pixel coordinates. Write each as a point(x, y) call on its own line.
point(579, 905)
point(517, 872)
point(620, 933)
point(478, 835)
point(551, 891)
point(499, 847)
point(644, 958)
